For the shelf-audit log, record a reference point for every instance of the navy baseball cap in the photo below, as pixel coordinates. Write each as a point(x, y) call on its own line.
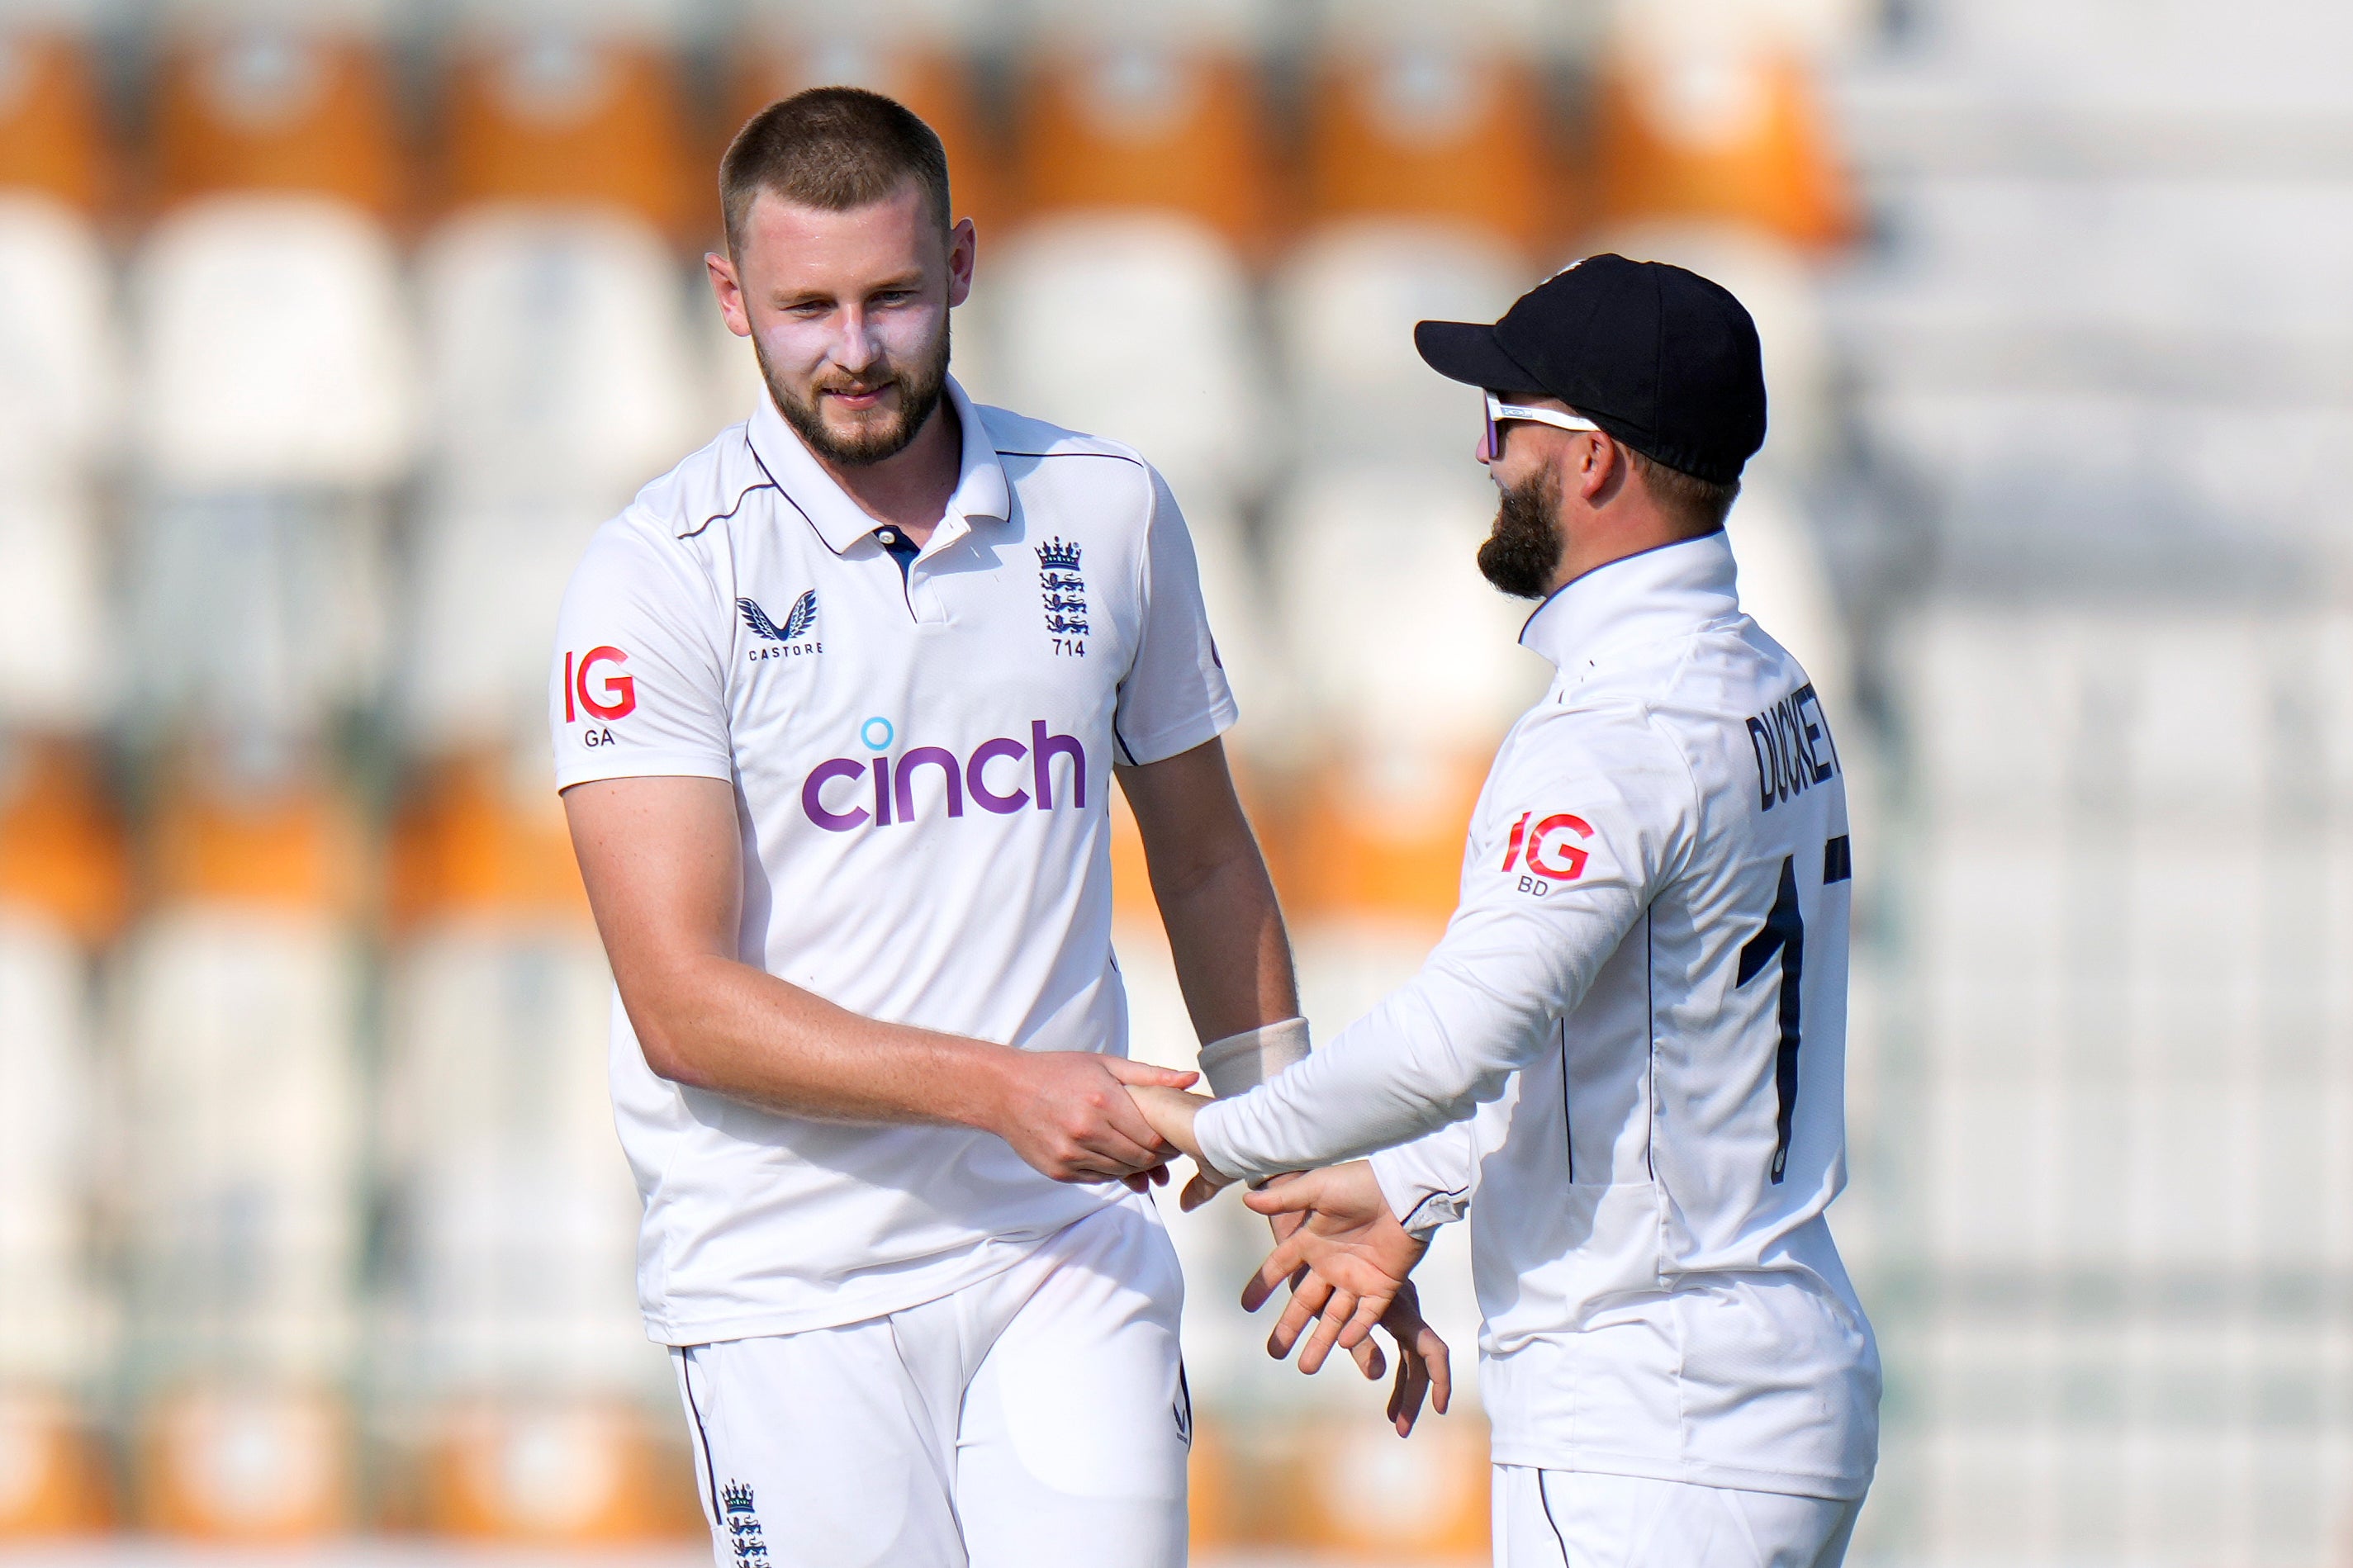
point(1659, 357)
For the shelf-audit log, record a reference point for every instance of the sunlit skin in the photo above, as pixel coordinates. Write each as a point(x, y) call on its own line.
point(1607, 511)
point(838, 304)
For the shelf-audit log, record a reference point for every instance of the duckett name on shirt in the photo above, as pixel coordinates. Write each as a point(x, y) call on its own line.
point(1793, 747)
point(893, 781)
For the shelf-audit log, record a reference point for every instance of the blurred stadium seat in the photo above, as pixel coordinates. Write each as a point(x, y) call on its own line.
point(1344, 303)
point(53, 142)
point(1445, 124)
point(57, 388)
point(1146, 108)
point(1700, 125)
point(273, 346)
point(299, 110)
point(241, 1001)
point(62, 892)
point(273, 375)
point(1077, 304)
point(585, 111)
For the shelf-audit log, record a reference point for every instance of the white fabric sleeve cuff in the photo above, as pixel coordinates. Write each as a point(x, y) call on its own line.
point(1416, 1193)
point(1239, 1063)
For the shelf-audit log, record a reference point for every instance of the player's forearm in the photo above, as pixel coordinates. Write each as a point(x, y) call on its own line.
point(1231, 952)
point(722, 1027)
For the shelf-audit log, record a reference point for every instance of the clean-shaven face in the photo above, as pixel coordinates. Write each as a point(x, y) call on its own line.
point(848, 316)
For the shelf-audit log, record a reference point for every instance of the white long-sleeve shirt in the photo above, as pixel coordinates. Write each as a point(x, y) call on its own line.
point(1626, 1057)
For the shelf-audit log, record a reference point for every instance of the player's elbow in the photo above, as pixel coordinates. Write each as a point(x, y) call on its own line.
point(666, 1037)
point(669, 1058)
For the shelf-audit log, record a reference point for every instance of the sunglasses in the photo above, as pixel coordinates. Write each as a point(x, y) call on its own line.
point(1498, 411)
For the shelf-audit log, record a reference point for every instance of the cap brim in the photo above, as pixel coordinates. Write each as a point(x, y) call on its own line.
point(1468, 351)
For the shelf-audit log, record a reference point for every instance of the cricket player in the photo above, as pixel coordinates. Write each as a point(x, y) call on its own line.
point(836, 706)
point(1625, 1058)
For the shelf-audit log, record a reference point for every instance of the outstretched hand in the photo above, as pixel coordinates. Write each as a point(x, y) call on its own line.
point(1357, 1253)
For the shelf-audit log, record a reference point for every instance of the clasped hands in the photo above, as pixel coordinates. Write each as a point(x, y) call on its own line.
point(1344, 1256)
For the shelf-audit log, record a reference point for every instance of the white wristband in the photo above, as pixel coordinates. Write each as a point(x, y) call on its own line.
point(1239, 1063)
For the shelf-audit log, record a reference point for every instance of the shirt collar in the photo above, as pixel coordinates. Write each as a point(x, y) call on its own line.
point(1652, 593)
point(841, 523)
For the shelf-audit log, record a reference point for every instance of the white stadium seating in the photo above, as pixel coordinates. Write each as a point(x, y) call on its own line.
point(274, 348)
point(1345, 304)
point(58, 373)
point(1138, 327)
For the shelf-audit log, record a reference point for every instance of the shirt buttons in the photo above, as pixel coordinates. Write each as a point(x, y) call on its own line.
point(887, 537)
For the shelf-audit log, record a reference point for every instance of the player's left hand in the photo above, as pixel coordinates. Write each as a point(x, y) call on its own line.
point(1346, 1263)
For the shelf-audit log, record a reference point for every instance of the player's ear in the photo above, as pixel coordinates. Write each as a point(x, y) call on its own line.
point(728, 289)
point(1588, 462)
point(964, 245)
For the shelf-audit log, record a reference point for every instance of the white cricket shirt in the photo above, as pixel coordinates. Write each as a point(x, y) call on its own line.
point(1626, 1057)
point(922, 765)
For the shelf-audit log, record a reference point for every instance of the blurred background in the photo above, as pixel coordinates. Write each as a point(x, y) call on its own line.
point(330, 329)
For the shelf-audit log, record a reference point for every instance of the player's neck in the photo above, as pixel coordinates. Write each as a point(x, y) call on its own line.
point(1603, 535)
point(910, 488)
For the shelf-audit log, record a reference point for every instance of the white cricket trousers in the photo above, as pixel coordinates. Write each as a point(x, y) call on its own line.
point(1575, 1519)
point(1036, 1419)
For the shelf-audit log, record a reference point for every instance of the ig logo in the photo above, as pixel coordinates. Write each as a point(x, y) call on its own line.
point(611, 696)
point(1549, 856)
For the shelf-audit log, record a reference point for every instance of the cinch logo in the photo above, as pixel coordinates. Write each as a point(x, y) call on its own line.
point(799, 621)
point(893, 781)
point(619, 692)
point(1548, 856)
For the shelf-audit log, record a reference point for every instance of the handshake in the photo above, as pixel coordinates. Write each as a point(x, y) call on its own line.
point(1343, 1255)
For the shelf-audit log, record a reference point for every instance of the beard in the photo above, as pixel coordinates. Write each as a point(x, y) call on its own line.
point(1523, 551)
point(921, 387)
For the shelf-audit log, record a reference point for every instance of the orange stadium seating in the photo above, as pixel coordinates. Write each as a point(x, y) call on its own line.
point(280, 110)
point(1458, 137)
point(470, 843)
point(575, 118)
point(1730, 134)
point(63, 858)
point(1178, 128)
point(51, 139)
point(247, 1465)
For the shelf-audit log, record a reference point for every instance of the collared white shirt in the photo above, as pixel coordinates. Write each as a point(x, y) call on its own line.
point(1626, 1057)
point(922, 762)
